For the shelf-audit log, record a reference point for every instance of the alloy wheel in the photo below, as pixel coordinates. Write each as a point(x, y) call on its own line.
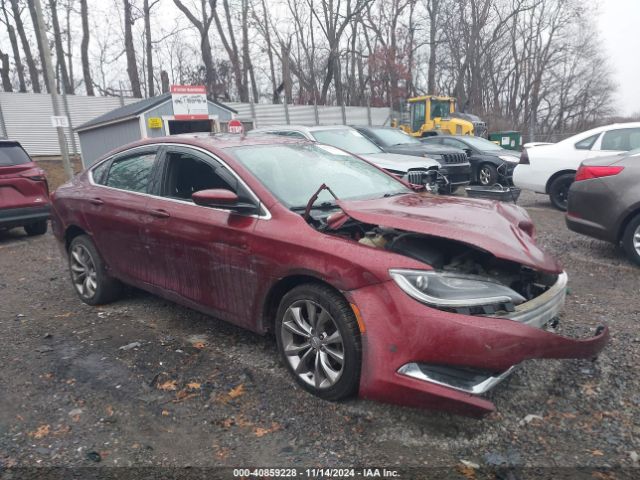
point(636, 240)
point(485, 176)
point(83, 271)
point(313, 344)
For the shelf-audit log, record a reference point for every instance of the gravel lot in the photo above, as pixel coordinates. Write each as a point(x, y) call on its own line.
point(144, 382)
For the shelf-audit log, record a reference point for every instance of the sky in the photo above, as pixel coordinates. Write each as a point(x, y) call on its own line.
point(619, 23)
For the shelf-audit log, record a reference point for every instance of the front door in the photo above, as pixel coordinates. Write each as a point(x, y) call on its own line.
point(200, 253)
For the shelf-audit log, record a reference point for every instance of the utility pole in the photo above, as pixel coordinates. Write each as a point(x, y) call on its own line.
point(52, 89)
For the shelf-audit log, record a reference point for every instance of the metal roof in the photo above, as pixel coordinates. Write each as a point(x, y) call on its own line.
point(133, 110)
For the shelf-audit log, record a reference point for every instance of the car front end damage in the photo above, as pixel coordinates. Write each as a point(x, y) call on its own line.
point(486, 301)
point(421, 356)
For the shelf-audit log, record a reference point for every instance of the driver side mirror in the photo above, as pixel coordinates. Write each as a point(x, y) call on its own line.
point(221, 198)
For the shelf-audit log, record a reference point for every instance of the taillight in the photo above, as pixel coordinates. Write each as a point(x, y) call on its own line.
point(524, 157)
point(586, 172)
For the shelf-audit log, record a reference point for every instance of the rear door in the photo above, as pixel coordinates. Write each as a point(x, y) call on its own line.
point(203, 254)
point(22, 182)
point(115, 210)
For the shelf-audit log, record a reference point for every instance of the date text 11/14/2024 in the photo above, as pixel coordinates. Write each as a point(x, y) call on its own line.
point(315, 473)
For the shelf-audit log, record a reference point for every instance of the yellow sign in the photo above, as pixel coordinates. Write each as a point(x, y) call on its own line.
point(155, 122)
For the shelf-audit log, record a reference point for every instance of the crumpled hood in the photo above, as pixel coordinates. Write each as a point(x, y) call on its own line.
point(394, 161)
point(500, 228)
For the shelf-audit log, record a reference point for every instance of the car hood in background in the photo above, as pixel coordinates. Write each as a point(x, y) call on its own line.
point(424, 149)
point(502, 229)
point(393, 161)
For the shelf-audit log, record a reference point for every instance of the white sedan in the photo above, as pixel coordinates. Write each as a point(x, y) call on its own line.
point(551, 168)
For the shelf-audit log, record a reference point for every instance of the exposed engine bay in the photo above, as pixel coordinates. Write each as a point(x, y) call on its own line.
point(446, 255)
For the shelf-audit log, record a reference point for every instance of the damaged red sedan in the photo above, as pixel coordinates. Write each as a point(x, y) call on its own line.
point(369, 286)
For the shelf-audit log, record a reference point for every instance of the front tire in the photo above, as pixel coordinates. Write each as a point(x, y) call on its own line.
point(559, 191)
point(487, 175)
point(88, 273)
point(319, 341)
point(37, 228)
point(631, 240)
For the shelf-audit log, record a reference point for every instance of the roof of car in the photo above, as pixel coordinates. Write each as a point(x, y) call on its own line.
point(301, 128)
point(217, 140)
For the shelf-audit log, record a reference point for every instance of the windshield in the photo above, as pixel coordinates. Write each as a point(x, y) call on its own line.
point(482, 144)
point(12, 154)
point(391, 136)
point(440, 108)
point(347, 139)
point(294, 172)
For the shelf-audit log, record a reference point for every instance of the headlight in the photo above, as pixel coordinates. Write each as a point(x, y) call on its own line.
point(509, 159)
point(444, 289)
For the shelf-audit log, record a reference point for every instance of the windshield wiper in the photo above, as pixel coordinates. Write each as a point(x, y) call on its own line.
point(395, 194)
point(314, 197)
point(322, 206)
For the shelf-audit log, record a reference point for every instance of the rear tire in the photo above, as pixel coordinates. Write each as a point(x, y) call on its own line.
point(559, 191)
point(37, 228)
point(319, 341)
point(89, 277)
point(631, 240)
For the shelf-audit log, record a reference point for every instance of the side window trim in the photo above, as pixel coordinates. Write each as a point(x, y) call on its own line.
point(595, 145)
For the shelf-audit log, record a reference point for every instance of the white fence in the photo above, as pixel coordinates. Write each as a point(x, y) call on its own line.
point(264, 115)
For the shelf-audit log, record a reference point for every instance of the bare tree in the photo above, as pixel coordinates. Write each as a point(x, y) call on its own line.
point(84, 48)
point(146, 11)
point(14, 47)
point(132, 65)
point(4, 72)
point(60, 54)
point(203, 25)
point(31, 64)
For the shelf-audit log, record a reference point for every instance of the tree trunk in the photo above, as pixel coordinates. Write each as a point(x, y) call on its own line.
point(4, 72)
point(34, 20)
point(84, 48)
point(148, 46)
point(132, 66)
point(60, 55)
point(69, 9)
point(16, 54)
point(433, 7)
point(164, 80)
point(28, 57)
point(272, 70)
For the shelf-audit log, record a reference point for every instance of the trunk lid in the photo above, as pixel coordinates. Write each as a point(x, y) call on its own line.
point(504, 230)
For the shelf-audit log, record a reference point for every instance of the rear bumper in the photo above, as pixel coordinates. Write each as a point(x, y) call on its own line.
point(18, 217)
point(592, 210)
point(456, 174)
point(422, 357)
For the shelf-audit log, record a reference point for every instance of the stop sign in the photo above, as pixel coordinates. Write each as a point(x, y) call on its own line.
point(235, 126)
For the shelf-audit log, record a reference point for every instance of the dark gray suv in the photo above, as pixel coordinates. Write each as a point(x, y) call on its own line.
point(604, 201)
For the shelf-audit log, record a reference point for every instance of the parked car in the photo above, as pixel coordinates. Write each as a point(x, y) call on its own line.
point(490, 163)
point(551, 169)
point(406, 167)
point(24, 191)
point(368, 286)
point(454, 165)
point(604, 201)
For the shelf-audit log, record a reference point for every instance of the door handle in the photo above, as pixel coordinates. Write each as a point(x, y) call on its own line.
point(96, 201)
point(159, 213)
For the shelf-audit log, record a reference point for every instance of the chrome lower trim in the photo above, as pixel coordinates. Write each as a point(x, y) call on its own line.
point(542, 309)
point(413, 370)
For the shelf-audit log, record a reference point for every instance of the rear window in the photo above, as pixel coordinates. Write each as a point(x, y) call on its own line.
point(12, 154)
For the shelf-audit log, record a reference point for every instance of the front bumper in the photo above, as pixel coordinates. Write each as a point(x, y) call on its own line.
point(456, 174)
point(18, 217)
point(422, 357)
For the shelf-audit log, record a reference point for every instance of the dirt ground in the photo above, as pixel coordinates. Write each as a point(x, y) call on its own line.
point(144, 382)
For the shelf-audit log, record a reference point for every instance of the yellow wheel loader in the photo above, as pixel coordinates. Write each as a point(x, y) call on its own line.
point(434, 115)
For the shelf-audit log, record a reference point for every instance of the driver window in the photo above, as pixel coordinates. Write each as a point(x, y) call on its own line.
point(187, 174)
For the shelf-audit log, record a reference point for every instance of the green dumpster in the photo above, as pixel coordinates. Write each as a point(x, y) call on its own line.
point(511, 140)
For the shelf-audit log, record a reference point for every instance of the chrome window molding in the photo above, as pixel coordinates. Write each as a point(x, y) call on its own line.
point(264, 216)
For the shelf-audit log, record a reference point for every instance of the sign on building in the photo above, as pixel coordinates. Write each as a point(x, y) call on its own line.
point(60, 121)
point(189, 102)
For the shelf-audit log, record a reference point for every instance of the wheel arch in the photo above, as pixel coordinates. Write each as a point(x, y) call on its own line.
point(279, 289)
point(71, 232)
point(635, 212)
point(556, 175)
